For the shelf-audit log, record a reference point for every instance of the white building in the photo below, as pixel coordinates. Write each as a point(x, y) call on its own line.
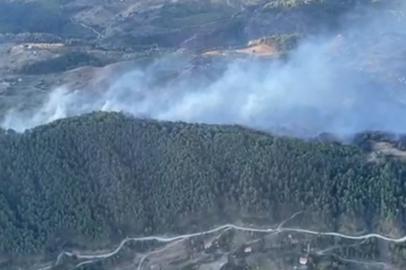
point(303, 260)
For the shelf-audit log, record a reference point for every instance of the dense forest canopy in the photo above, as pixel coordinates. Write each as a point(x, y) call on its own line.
point(85, 184)
point(102, 176)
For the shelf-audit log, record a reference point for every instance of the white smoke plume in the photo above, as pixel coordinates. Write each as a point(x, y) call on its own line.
point(320, 88)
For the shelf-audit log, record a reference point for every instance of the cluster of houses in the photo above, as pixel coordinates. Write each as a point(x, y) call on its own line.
point(302, 262)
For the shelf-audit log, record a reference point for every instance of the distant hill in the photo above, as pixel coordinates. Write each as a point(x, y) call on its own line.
point(87, 182)
point(97, 178)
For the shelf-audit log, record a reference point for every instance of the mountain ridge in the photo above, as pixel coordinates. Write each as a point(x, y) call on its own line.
point(102, 173)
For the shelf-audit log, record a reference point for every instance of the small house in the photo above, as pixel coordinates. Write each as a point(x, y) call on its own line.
point(303, 260)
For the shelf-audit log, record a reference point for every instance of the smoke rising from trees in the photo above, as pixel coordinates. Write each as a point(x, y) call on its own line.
point(340, 83)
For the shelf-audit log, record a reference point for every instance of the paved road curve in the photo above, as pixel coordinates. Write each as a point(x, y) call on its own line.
point(278, 229)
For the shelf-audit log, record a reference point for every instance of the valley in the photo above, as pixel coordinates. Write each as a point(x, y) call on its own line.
point(157, 134)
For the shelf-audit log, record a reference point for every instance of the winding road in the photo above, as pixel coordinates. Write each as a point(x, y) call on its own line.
point(279, 229)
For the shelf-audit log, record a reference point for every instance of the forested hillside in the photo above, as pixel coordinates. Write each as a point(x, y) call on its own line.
point(103, 176)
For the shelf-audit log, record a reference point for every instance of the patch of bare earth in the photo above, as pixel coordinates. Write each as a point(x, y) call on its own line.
point(263, 50)
point(382, 149)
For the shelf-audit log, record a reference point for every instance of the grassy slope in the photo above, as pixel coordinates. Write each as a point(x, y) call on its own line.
point(36, 17)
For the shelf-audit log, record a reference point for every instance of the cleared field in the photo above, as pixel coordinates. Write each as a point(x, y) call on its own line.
point(258, 50)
